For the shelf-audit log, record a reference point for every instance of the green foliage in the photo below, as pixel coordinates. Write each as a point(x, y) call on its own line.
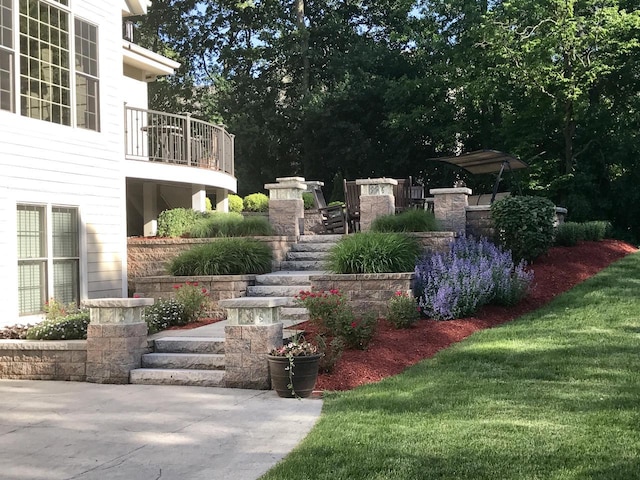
point(256, 202)
point(207, 204)
point(373, 252)
point(337, 188)
point(236, 204)
point(164, 313)
point(194, 300)
point(54, 310)
point(226, 256)
point(334, 318)
point(412, 220)
point(569, 234)
point(69, 327)
point(309, 200)
point(524, 225)
point(177, 221)
point(331, 350)
point(218, 224)
point(403, 310)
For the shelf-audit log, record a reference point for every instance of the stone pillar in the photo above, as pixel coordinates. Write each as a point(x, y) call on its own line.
point(450, 207)
point(253, 330)
point(198, 198)
point(116, 338)
point(376, 199)
point(286, 208)
point(150, 209)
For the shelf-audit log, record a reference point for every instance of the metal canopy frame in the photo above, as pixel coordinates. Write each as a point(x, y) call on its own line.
point(485, 161)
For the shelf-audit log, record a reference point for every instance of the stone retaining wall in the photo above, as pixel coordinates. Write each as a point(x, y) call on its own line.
point(147, 257)
point(434, 241)
point(43, 360)
point(368, 292)
point(220, 287)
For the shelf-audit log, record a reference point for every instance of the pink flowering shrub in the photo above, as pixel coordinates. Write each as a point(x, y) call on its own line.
point(403, 310)
point(194, 300)
point(334, 318)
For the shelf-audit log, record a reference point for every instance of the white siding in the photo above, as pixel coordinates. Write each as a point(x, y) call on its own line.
point(47, 163)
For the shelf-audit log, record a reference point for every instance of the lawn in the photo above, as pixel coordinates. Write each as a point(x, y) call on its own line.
point(552, 395)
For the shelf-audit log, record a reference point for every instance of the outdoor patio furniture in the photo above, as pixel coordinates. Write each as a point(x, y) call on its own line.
point(334, 217)
point(402, 194)
point(352, 202)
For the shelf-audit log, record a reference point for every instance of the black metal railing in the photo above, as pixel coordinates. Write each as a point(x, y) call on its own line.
point(177, 139)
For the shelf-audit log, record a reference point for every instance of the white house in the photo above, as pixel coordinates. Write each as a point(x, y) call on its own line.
point(83, 163)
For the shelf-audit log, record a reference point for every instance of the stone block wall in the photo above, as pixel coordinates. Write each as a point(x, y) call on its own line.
point(434, 241)
point(246, 349)
point(368, 292)
point(220, 287)
point(479, 223)
point(43, 360)
point(148, 257)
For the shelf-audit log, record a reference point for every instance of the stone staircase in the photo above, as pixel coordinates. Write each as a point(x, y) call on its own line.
point(199, 361)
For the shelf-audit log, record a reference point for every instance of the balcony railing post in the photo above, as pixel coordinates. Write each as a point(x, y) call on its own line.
point(187, 138)
point(223, 157)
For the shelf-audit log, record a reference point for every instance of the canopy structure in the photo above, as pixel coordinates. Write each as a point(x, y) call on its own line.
point(485, 161)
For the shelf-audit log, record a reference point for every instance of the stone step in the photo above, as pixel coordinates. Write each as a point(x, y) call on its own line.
point(193, 361)
point(189, 345)
point(162, 376)
point(312, 247)
point(307, 255)
point(301, 265)
point(276, 290)
point(320, 238)
point(295, 278)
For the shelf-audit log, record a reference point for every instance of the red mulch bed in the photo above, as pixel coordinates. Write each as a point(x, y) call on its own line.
point(391, 350)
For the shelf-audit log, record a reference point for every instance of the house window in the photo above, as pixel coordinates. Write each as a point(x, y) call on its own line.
point(86, 75)
point(48, 256)
point(58, 77)
point(6, 56)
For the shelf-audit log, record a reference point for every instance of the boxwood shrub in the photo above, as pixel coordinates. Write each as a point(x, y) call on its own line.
point(374, 252)
point(71, 327)
point(524, 225)
point(569, 234)
point(309, 200)
point(177, 221)
point(256, 202)
point(218, 224)
point(226, 256)
point(236, 204)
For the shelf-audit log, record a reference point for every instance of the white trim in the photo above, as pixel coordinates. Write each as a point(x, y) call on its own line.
point(179, 173)
point(135, 7)
point(149, 62)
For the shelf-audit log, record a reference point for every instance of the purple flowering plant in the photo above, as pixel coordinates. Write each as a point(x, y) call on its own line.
point(473, 273)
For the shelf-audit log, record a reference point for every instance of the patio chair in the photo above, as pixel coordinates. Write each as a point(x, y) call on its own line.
point(334, 217)
point(401, 192)
point(352, 202)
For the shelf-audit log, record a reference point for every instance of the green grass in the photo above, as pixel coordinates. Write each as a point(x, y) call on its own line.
point(552, 395)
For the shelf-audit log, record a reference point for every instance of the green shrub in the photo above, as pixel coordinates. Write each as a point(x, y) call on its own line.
point(177, 221)
point(596, 231)
point(71, 327)
point(163, 314)
point(194, 300)
point(524, 225)
point(236, 204)
point(219, 224)
point(207, 204)
point(256, 202)
point(54, 310)
point(403, 310)
point(568, 234)
point(309, 200)
point(374, 252)
point(412, 220)
point(226, 256)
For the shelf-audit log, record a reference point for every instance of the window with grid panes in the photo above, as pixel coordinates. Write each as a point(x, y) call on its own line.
point(48, 256)
point(52, 86)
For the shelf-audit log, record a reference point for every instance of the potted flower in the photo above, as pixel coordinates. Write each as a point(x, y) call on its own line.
point(294, 368)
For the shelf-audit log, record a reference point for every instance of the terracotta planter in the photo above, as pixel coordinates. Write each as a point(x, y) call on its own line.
point(303, 376)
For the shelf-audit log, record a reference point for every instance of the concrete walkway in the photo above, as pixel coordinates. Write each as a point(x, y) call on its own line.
point(69, 430)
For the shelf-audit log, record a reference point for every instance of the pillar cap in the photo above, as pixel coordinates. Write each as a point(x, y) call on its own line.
point(442, 191)
point(286, 186)
point(376, 181)
point(254, 302)
point(290, 179)
point(118, 302)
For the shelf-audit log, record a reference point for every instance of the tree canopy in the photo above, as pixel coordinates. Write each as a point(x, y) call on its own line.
point(361, 88)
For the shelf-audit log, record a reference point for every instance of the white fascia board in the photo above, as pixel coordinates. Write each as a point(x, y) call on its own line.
point(162, 172)
point(135, 7)
point(146, 60)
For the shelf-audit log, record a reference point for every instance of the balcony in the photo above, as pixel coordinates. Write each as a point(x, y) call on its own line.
point(177, 140)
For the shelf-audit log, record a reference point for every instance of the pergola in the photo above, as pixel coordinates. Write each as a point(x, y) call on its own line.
point(485, 161)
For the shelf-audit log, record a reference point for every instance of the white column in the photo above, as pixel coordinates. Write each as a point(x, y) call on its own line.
point(150, 209)
point(222, 200)
point(198, 198)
